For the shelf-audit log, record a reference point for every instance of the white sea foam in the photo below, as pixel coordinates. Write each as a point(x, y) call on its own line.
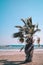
point(16, 51)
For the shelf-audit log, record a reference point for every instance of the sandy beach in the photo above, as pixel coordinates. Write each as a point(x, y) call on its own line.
point(16, 58)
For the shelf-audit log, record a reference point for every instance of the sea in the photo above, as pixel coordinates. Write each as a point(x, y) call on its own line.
point(17, 47)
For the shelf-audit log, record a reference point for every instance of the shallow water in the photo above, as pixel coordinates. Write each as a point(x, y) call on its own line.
point(17, 47)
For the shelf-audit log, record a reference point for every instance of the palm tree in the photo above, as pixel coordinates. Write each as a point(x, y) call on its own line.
point(26, 32)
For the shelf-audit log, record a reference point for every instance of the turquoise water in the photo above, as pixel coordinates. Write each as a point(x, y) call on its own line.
point(18, 47)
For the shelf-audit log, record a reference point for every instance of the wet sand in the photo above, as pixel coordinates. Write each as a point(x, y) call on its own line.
point(16, 58)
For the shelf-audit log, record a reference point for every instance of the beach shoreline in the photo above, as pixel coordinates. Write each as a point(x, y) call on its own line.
point(17, 51)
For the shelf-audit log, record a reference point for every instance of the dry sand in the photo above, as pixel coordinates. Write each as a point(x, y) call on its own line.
point(16, 57)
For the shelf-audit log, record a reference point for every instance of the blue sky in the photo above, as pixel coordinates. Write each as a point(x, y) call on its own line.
point(11, 11)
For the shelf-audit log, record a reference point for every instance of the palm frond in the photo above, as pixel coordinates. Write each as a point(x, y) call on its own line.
point(18, 26)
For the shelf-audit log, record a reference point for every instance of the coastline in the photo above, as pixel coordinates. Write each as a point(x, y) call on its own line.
point(17, 51)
